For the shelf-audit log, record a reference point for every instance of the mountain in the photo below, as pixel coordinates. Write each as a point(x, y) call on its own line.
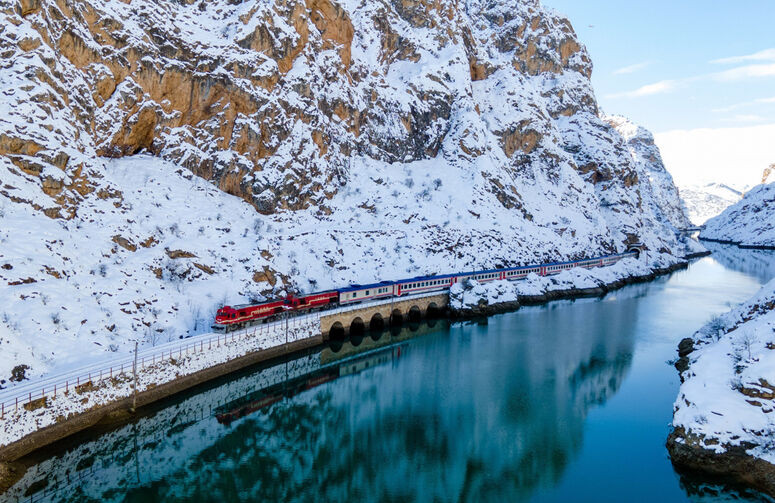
point(750, 222)
point(706, 201)
point(666, 201)
point(161, 158)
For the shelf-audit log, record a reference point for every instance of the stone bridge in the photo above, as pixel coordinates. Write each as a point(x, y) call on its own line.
point(358, 319)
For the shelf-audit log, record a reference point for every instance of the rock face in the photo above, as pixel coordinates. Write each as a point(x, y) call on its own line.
point(769, 175)
point(361, 140)
point(704, 202)
point(749, 223)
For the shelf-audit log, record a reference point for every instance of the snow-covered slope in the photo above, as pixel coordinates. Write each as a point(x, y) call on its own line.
point(750, 222)
point(704, 202)
point(722, 416)
point(272, 146)
point(665, 200)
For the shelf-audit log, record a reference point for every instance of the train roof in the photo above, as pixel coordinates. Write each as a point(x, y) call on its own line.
point(356, 287)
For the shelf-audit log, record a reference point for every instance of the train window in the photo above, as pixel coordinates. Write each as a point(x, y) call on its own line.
point(367, 292)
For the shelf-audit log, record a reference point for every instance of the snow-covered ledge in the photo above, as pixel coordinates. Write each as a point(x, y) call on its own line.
point(470, 298)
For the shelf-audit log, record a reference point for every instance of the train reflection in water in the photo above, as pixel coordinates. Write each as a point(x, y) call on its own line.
point(344, 366)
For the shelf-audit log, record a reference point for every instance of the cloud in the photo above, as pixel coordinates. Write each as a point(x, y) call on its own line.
point(738, 106)
point(745, 72)
point(765, 55)
point(740, 73)
point(664, 86)
point(746, 118)
point(632, 68)
point(736, 156)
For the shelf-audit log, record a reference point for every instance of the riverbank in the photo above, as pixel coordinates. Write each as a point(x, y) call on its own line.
point(739, 244)
point(37, 423)
point(474, 300)
point(722, 421)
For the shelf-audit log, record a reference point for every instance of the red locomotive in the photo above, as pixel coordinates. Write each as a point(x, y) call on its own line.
point(233, 317)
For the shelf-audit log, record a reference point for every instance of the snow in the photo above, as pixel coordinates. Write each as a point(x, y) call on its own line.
point(750, 222)
point(471, 294)
point(201, 354)
point(735, 354)
point(704, 202)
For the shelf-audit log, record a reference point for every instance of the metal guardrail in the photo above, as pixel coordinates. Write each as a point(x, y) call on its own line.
point(18, 396)
point(24, 394)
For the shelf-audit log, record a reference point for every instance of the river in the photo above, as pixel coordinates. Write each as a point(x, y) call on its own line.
point(565, 402)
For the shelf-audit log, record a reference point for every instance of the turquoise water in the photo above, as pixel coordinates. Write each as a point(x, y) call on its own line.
point(565, 402)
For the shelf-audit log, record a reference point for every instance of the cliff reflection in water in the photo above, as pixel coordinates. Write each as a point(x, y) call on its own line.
point(470, 412)
point(757, 263)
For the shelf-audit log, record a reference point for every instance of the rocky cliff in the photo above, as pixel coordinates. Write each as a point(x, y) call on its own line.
point(654, 178)
point(159, 158)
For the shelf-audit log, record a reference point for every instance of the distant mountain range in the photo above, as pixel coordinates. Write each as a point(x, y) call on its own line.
point(704, 202)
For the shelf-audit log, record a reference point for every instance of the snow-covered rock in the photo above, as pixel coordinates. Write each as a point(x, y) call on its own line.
point(267, 147)
point(723, 414)
point(749, 223)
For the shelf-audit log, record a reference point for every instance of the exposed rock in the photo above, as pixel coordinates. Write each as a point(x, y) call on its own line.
point(769, 174)
point(176, 254)
point(124, 243)
point(685, 347)
point(18, 374)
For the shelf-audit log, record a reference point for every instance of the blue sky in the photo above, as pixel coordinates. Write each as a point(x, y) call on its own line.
point(680, 64)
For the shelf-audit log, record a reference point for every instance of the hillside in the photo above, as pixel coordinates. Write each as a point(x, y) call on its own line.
point(749, 223)
point(158, 159)
point(704, 202)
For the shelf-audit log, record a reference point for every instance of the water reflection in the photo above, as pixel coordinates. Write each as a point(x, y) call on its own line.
point(757, 263)
point(471, 412)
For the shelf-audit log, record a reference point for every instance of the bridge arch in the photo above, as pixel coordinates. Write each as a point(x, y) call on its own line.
point(433, 311)
point(337, 332)
point(357, 327)
point(377, 323)
point(396, 318)
point(414, 314)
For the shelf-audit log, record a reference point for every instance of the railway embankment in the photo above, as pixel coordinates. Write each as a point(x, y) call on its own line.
point(59, 410)
point(472, 299)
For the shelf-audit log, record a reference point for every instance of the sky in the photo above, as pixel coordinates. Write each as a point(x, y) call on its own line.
point(698, 74)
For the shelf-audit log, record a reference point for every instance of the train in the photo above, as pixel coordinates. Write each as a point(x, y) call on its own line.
point(229, 318)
